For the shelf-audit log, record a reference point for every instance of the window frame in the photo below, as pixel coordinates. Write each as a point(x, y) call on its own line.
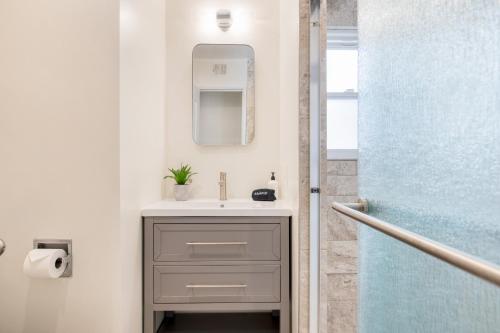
point(342, 38)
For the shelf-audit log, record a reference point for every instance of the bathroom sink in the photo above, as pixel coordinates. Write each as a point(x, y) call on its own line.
point(217, 208)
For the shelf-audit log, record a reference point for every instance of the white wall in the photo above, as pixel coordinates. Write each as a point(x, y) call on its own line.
point(142, 91)
point(59, 161)
point(289, 134)
point(256, 22)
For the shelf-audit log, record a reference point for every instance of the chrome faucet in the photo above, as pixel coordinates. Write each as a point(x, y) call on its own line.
point(222, 187)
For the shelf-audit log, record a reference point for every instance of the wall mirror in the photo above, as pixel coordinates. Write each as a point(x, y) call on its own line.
point(223, 94)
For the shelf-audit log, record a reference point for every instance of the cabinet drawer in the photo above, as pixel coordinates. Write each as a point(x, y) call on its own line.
point(216, 284)
point(212, 241)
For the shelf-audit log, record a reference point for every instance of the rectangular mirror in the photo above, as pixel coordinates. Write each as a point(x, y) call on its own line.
point(223, 94)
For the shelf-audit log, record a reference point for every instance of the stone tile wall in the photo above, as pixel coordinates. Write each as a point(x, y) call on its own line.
point(302, 325)
point(342, 250)
point(340, 260)
point(343, 13)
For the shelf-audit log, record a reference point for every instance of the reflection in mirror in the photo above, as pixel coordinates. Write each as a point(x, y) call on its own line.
point(223, 94)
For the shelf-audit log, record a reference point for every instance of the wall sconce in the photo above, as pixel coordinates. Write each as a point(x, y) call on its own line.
point(224, 20)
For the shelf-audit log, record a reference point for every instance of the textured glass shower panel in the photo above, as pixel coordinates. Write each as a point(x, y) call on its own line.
point(429, 124)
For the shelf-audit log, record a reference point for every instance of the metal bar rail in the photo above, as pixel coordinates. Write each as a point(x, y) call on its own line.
point(475, 266)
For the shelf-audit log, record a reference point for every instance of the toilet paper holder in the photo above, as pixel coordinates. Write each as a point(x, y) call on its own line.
point(63, 244)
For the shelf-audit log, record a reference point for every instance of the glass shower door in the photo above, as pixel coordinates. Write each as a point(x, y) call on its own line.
point(429, 124)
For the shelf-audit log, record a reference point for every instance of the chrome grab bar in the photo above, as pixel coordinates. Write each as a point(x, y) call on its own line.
point(475, 266)
point(2, 247)
point(216, 243)
point(194, 286)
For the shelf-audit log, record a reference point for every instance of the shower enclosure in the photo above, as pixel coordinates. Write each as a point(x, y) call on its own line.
point(429, 162)
point(429, 133)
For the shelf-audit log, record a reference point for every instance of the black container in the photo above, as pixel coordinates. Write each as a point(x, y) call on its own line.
point(263, 194)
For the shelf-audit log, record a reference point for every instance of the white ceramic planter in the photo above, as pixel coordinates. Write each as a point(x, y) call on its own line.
point(181, 192)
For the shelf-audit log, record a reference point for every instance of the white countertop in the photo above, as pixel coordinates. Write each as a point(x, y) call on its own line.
point(209, 207)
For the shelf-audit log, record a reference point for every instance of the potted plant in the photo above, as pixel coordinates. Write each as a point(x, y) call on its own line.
point(182, 178)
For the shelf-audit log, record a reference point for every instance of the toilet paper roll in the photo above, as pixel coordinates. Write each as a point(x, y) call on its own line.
point(45, 263)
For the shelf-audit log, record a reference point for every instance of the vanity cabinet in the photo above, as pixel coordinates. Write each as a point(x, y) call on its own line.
point(216, 265)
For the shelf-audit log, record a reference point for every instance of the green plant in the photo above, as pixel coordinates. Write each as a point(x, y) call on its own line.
point(181, 176)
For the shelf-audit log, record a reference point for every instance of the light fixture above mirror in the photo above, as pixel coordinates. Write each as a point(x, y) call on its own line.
point(224, 19)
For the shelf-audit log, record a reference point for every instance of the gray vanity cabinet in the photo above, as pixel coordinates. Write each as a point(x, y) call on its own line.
point(216, 264)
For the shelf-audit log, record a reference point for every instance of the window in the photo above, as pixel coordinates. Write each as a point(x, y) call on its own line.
point(342, 89)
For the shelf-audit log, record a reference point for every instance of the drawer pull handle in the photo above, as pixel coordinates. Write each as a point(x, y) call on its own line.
point(194, 286)
point(217, 243)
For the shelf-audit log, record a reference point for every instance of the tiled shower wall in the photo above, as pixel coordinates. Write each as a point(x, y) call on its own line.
point(341, 257)
point(343, 13)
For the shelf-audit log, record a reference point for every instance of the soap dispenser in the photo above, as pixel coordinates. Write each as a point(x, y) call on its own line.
point(273, 185)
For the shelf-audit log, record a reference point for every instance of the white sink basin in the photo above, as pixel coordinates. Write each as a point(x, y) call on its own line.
point(217, 208)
